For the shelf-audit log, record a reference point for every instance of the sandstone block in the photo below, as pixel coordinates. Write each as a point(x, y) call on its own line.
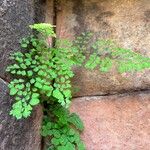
point(124, 21)
point(119, 122)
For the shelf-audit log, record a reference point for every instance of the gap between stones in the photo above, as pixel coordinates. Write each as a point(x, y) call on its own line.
point(54, 22)
point(136, 91)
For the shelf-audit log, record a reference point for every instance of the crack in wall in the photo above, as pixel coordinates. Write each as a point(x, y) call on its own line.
point(54, 19)
point(53, 40)
point(136, 91)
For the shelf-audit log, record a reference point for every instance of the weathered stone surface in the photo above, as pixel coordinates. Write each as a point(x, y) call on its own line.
point(49, 13)
point(39, 11)
point(18, 135)
point(120, 122)
point(15, 17)
point(49, 16)
point(125, 21)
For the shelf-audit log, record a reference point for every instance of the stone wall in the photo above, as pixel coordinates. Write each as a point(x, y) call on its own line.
point(125, 21)
point(112, 122)
point(119, 122)
point(18, 134)
point(15, 17)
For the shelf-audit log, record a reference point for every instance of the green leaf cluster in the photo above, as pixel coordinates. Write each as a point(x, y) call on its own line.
point(64, 130)
point(129, 61)
point(106, 54)
point(42, 75)
point(44, 28)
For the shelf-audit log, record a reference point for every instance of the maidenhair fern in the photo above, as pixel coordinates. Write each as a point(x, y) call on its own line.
point(42, 75)
point(63, 129)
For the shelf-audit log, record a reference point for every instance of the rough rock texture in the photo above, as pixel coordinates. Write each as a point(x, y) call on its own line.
point(18, 135)
point(49, 13)
point(39, 11)
point(50, 16)
point(15, 17)
point(120, 122)
point(125, 21)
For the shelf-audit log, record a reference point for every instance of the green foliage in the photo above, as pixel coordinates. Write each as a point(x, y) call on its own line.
point(42, 75)
point(63, 131)
point(106, 54)
point(128, 61)
point(44, 28)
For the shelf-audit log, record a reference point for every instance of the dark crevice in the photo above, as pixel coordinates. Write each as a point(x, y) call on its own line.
point(136, 91)
point(54, 22)
point(39, 11)
point(55, 3)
